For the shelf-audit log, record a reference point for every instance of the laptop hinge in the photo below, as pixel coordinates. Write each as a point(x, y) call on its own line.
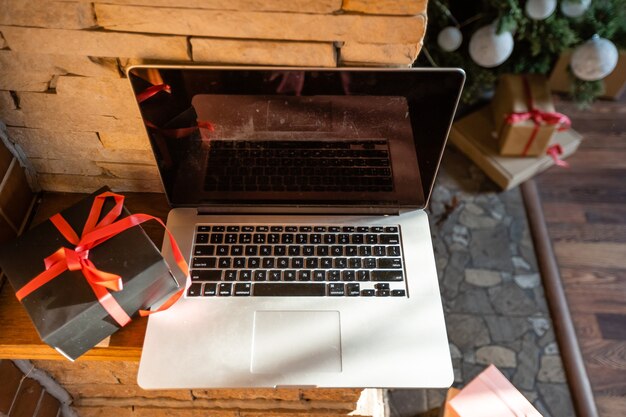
point(304, 211)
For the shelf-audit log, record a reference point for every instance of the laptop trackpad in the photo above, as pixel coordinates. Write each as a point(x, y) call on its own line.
point(296, 342)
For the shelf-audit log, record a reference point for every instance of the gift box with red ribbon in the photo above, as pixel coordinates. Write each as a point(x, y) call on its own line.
point(82, 274)
point(524, 115)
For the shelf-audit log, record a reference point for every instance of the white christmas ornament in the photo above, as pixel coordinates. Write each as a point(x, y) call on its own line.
point(489, 49)
point(571, 8)
point(540, 9)
point(594, 59)
point(450, 38)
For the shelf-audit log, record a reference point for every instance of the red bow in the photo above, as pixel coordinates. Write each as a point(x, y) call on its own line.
point(538, 117)
point(94, 233)
point(555, 152)
point(152, 90)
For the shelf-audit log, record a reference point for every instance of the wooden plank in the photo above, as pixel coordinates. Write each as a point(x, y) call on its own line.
point(612, 326)
point(563, 188)
point(608, 299)
point(611, 406)
point(10, 376)
point(600, 254)
point(588, 232)
point(6, 157)
point(586, 326)
point(258, 25)
point(15, 195)
point(607, 353)
point(592, 276)
point(593, 159)
point(557, 211)
point(606, 380)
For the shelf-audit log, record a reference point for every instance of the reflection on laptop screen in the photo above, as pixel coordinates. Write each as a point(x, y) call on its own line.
point(315, 137)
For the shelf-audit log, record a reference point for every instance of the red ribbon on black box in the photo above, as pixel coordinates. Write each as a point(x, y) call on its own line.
point(538, 117)
point(77, 258)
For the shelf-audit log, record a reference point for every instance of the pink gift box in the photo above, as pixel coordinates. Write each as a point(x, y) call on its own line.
point(490, 394)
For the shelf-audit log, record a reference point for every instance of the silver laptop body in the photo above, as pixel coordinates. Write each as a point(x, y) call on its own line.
point(352, 329)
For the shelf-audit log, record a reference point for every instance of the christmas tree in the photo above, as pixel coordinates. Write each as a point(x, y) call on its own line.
point(491, 37)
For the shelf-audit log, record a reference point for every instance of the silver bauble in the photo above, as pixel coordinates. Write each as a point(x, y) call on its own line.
point(489, 49)
point(450, 38)
point(574, 8)
point(594, 59)
point(540, 9)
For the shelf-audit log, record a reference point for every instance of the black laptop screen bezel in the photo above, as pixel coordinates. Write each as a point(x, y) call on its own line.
point(432, 96)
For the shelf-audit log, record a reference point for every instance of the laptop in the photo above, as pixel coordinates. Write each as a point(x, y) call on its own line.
point(298, 197)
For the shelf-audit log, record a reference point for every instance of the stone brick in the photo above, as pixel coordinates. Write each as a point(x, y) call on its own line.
point(9, 114)
point(106, 110)
point(49, 111)
point(85, 184)
point(108, 96)
point(131, 171)
point(47, 14)
point(66, 166)
point(263, 52)
point(11, 61)
point(53, 144)
point(181, 412)
point(121, 391)
point(124, 372)
point(80, 372)
point(50, 144)
point(248, 394)
point(24, 80)
point(104, 411)
point(129, 156)
point(257, 25)
point(393, 7)
point(121, 140)
point(498, 355)
point(95, 43)
point(301, 6)
point(331, 394)
point(385, 54)
point(551, 369)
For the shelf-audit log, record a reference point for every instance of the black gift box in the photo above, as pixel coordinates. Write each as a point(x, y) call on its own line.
point(65, 311)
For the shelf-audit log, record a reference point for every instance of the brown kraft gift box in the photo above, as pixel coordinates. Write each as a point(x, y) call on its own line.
point(519, 95)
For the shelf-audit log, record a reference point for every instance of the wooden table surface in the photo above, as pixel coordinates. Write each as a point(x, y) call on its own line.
point(18, 337)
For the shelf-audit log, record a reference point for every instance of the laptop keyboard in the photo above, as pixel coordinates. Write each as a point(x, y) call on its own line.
point(303, 165)
point(315, 261)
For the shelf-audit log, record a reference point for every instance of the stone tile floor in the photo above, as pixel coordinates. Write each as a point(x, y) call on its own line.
point(492, 295)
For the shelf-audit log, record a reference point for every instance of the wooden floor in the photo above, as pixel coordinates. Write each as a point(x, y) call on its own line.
point(585, 211)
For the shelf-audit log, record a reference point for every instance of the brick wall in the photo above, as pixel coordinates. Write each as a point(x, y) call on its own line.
point(103, 389)
point(62, 62)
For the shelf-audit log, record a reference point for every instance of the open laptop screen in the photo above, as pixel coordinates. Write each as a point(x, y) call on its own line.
point(310, 137)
